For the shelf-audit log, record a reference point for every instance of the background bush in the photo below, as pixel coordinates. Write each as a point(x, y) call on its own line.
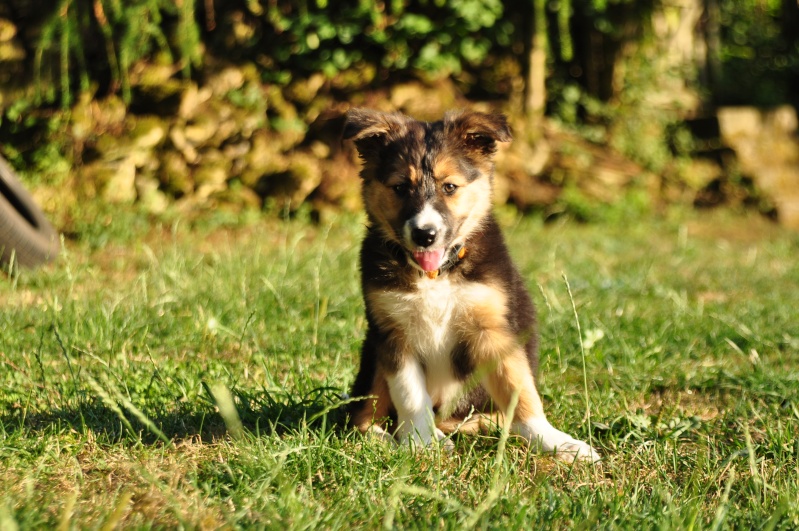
point(301, 64)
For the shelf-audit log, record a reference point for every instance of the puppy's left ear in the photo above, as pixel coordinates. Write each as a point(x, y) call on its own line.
point(372, 130)
point(477, 131)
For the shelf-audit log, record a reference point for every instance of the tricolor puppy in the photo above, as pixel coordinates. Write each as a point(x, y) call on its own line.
point(451, 329)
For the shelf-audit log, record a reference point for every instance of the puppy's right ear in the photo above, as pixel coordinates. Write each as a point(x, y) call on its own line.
point(372, 130)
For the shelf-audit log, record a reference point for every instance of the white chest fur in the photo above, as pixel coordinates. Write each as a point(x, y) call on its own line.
point(429, 318)
point(424, 315)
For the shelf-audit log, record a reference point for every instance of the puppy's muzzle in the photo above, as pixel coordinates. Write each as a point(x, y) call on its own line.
point(424, 236)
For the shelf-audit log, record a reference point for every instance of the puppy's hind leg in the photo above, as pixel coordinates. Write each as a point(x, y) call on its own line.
point(370, 415)
point(513, 375)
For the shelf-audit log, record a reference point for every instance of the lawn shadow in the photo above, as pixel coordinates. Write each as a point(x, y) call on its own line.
point(261, 413)
point(285, 412)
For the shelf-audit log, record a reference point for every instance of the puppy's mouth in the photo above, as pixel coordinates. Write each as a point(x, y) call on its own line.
point(429, 260)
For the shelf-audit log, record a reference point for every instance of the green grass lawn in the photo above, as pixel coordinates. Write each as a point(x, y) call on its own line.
point(189, 376)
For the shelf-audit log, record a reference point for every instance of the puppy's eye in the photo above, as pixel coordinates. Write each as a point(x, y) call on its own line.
point(449, 188)
point(400, 189)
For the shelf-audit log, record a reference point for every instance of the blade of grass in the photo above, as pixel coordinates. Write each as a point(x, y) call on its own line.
point(227, 409)
point(119, 511)
point(721, 510)
point(582, 358)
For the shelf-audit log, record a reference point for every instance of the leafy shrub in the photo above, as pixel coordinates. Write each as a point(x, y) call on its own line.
point(431, 37)
point(757, 56)
point(99, 41)
point(89, 44)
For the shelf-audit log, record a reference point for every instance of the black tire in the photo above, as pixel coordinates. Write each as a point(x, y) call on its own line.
point(26, 236)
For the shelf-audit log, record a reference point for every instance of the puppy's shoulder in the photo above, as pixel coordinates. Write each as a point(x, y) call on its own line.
point(491, 263)
point(488, 258)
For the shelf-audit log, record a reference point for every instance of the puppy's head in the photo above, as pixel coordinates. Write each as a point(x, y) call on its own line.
point(427, 185)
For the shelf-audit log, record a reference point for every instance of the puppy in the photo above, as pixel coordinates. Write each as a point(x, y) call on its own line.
point(451, 334)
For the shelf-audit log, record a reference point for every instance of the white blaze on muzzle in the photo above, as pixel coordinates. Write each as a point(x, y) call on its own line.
point(423, 234)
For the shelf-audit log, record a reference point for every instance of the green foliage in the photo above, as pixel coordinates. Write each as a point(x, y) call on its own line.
point(758, 58)
point(90, 44)
point(33, 142)
point(433, 38)
point(119, 33)
point(630, 206)
point(430, 38)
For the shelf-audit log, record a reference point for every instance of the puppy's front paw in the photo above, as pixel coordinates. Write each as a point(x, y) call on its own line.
point(418, 439)
point(446, 444)
point(545, 438)
point(375, 432)
point(576, 450)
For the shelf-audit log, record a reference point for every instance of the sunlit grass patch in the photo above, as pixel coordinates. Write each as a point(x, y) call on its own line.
point(194, 377)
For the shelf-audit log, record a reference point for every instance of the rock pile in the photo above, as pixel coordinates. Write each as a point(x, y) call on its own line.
point(231, 139)
point(12, 54)
point(534, 174)
point(766, 145)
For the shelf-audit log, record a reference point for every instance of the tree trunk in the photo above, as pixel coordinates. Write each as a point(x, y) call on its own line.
point(713, 41)
point(536, 96)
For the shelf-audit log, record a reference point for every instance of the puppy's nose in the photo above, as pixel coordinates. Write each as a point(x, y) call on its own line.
point(424, 236)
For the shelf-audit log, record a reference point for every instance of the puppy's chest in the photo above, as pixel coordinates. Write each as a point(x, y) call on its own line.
point(431, 317)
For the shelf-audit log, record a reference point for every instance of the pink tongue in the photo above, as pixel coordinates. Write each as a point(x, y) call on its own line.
point(429, 260)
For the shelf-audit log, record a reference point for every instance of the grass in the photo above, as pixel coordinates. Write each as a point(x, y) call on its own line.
point(190, 376)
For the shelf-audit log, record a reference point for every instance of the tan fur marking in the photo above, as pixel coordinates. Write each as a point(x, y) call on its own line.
point(382, 204)
point(446, 169)
point(472, 204)
point(414, 174)
point(512, 374)
point(483, 325)
point(374, 410)
point(498, 354)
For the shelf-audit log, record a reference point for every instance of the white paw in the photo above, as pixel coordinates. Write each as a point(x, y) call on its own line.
point(545, 438)
point(446, 443)
point(377, 433)
point(418, 439)
point(576, 450)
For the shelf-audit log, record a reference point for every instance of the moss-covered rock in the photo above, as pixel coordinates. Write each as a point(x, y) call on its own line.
point(211, 174)
point(7, 30)
point(304, 91)
point(114, 180)
point(177, 136)
point(175, 176)
point(765, 143)
point(156, 80)
point(149, 194)
point(425, 102)
point(264, 158)
point(290, 188)
point(192, 98)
